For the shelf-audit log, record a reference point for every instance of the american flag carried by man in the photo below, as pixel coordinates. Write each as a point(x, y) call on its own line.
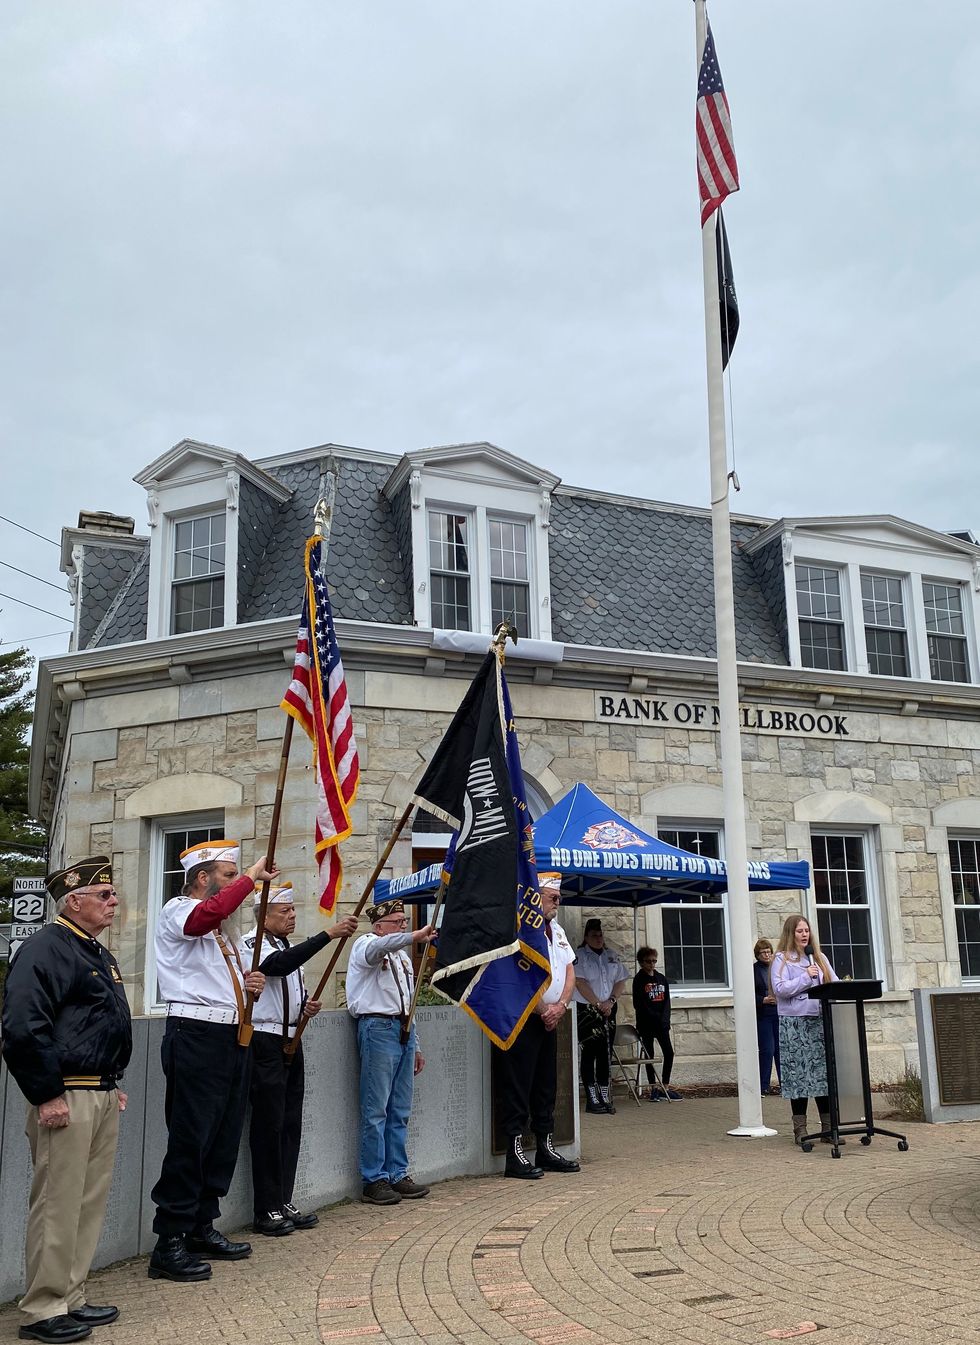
point(317, 700)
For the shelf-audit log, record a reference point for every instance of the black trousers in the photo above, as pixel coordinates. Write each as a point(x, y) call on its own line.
point(652, 1030)
point(527, 1078)
point(595, 1049)
point(207, 1075)
point(276, 1124)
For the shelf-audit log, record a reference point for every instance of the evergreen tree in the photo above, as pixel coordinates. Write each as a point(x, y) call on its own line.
point(21, 839)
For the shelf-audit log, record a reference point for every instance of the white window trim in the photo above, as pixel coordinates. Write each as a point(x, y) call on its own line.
point(847, 619)
point(958, 834)
point(913, 565)
point(176, 504)
point(654, 914)
point(159, 828)
point(969, 627)
point(871, 843)
point(481, 502)
point(914, 619)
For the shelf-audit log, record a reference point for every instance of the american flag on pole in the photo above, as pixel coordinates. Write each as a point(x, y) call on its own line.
point(717, 169)
point(317, 699)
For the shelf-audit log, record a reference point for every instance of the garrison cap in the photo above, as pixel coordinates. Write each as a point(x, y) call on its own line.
point(83, 873)
point(209, 852)
point(279, 895)
point(383, 908)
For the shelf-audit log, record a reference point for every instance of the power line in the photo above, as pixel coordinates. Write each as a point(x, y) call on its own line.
point(4, 519)
point(59, 588)
point(33, 639)
point(57, 615)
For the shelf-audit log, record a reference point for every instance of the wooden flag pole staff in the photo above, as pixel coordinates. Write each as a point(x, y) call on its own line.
point(245, 1027)
point(290, 1048)
point(498, 645)
point(322, 519)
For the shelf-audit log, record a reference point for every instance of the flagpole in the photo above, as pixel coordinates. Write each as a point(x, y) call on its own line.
point(750, 1118)
point(245, 1026)
point(322, 519)
point(290, 1049)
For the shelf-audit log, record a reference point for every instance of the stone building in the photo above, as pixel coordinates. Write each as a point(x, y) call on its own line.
point(859, 668)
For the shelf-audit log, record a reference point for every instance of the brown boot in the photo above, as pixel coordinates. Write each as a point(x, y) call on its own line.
point(825, 1125)
point(799, 1128)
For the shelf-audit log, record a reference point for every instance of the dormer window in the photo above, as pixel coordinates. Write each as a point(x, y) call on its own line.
point(946, 632)
point(821, 609)
point(884, 625)
point(198, 590)
point(473, 520)
point(449, 569)
point(510, 588)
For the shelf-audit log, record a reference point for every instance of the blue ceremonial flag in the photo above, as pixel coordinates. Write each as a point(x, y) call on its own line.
point(492, 954)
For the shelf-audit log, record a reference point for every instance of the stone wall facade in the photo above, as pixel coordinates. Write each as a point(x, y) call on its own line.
point(136, 759)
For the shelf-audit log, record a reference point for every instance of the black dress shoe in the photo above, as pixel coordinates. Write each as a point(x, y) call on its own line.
point(90, 1315)
point(55, 1330)
point(216, 1246)
point(273, 1224)
point(170, 1260)
point(299, 1220)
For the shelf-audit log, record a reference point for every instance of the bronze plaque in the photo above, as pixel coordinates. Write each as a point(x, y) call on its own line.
point(564, 1095)
point(956, 1028)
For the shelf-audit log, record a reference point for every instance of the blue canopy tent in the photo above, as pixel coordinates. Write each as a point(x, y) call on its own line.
point(607, 861)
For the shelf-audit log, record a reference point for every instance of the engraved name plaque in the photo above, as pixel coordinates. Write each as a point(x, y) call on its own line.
point(956, 1028)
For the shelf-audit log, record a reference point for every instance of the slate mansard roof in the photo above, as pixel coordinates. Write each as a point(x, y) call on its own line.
point(623, 575)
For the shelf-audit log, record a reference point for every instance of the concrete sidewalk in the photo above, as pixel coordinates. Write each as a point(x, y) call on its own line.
point(671, 1233)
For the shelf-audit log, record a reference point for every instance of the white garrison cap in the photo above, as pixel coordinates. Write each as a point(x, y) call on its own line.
point(278, 896)
point(208, 852)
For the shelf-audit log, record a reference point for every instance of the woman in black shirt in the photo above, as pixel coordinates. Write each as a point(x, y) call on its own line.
point(651, 1004)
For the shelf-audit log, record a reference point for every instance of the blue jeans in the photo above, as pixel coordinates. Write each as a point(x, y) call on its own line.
point(387, 1081)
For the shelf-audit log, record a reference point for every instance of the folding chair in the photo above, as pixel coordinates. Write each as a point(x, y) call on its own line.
point(628, 1041)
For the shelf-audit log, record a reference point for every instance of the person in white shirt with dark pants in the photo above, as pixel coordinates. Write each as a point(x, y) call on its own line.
point(380, 985)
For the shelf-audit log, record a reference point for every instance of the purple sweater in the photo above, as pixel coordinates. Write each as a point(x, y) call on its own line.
point(790, 982)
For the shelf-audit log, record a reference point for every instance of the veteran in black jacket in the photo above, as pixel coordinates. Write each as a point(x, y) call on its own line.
point(67, 1037)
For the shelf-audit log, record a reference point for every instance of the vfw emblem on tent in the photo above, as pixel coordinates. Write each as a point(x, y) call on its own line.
point(610, 836)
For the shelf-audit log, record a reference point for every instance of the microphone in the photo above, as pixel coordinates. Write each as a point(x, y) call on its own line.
point(809, 952)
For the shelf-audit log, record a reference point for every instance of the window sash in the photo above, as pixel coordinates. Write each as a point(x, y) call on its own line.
point(822, 645)
point(888, 653)
point(198, 605)
point(948, 661)
point(818, 593)
point(964, 864)
point(695, 926)
point(169, 837)
point(844, 901)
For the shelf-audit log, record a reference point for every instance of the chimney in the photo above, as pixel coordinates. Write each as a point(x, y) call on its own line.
point(107, 525)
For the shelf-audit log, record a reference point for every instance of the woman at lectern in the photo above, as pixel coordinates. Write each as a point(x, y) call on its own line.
point(797, 966)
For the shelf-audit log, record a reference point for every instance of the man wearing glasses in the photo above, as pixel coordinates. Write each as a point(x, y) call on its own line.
point(67, 1037)
point(380, 984)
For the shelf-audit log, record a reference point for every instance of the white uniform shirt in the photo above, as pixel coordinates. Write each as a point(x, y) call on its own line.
point(191, 968)
point(267, 1012)
point(562, 954)
point(602, 970)
point(379, 975)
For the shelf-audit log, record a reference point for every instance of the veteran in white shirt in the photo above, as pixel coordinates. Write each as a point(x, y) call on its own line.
point(380, 984)
point(278, 1081)
point(204, 977)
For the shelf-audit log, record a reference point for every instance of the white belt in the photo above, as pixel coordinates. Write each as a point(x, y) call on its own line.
point(274, 1028)
point(206, 1013)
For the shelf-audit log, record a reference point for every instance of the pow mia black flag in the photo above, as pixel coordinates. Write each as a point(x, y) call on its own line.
point(492, 955)
point(727, 299)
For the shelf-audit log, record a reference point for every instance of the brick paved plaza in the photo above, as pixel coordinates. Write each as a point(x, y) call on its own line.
point(672, 1233)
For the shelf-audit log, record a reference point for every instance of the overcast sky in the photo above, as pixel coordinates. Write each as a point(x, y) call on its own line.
point(397, 223)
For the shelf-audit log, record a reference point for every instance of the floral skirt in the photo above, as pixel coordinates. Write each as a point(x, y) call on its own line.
point(802, 1060)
